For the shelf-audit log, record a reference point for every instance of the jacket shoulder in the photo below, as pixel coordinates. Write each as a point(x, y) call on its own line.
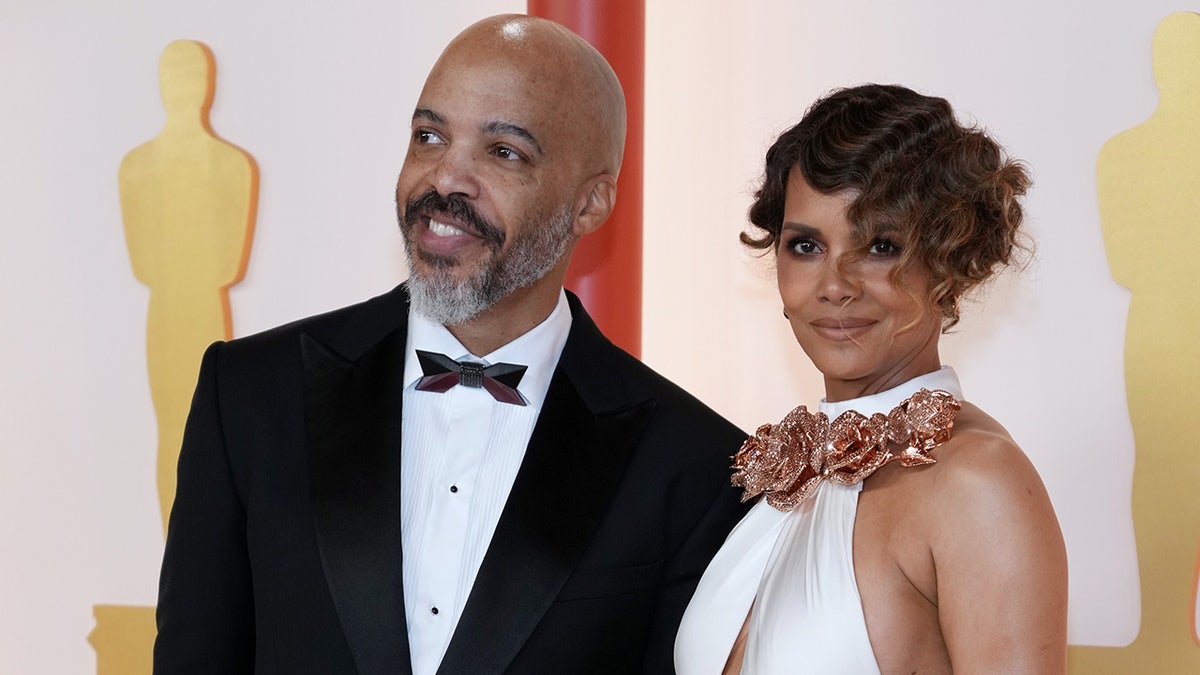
point(344, 329)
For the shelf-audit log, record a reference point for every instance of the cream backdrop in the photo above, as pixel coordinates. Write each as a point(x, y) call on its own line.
point(320, 97)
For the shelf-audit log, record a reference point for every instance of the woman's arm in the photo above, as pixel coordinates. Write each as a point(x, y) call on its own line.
point(1000, 561)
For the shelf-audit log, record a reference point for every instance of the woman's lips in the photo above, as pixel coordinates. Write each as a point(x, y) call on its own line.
point(842, 329)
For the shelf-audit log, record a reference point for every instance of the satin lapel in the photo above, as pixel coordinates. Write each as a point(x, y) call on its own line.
point(352, 410)
point(572, 467)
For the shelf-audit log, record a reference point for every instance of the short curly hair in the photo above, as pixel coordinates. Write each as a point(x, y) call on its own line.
point(910, 168)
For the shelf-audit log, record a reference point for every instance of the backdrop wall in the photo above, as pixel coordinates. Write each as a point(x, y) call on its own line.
point(321, 98)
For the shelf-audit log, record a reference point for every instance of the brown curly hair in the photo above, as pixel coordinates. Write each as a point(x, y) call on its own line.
point(908, 167)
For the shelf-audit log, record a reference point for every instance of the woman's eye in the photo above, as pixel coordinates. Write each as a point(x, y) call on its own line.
point(805, 246)
point(884, 247)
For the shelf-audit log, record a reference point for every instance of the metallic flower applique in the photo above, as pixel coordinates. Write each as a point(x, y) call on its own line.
point(787, 461)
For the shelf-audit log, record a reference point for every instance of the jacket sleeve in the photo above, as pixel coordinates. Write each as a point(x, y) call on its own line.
point(205, 610)
point(688, 563)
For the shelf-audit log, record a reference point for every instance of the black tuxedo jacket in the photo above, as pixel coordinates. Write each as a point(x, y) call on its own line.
point(283, 552)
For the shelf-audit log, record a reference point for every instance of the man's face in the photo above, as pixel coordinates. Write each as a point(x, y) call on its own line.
point(485, 196)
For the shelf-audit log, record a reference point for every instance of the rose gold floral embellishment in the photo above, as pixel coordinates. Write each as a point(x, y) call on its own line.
point(787, 461)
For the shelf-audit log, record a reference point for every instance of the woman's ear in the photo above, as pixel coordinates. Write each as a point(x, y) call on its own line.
point(598, 200)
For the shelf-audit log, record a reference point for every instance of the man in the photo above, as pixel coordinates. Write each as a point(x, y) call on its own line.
point(352, 500)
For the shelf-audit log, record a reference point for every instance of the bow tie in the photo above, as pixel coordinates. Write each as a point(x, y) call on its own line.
point(442, 373)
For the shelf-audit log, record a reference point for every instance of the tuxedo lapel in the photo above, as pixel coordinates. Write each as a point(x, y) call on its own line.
point(575, 460)
point(352, 416)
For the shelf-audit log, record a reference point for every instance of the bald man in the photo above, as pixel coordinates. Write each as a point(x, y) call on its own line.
point(461, 475)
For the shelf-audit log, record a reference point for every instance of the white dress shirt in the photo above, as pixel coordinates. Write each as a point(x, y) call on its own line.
point(460, 452)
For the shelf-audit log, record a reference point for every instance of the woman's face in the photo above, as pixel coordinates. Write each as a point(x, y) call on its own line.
point(864, 333)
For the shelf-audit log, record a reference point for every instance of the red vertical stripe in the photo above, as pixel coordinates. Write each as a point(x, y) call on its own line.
point(606, 271)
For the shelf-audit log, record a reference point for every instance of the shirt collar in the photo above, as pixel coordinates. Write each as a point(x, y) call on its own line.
point(538, 349)
point(883, 402)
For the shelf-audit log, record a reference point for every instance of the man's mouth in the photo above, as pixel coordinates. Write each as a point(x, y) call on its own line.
point(441, 229)
point(449, 217)
point(440, 234)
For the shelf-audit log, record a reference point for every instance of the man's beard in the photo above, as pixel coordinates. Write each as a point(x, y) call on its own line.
point(439, 296)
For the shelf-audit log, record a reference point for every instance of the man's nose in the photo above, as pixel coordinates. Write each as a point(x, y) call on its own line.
point(456, 172)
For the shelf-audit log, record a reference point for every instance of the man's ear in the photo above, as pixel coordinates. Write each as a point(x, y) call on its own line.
point(596, 204)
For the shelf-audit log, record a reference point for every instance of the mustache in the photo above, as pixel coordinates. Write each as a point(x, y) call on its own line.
point(458, 208)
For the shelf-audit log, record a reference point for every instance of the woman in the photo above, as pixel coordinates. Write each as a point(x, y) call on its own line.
point(912, 535)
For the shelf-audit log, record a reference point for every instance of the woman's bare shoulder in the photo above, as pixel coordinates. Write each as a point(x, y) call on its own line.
point(981, 453)
point(986, 497)
point(996, 543)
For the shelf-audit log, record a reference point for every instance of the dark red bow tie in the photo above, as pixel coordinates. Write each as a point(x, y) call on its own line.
point(442, 373)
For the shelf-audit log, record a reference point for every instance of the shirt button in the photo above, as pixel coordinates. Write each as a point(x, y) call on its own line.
point(434, 610)
point(454, 488)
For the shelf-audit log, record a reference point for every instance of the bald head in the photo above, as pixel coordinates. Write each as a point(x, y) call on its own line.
point(516, 143)
point(564, 74)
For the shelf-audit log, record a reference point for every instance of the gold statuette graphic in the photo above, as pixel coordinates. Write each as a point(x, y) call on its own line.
point(188, 202)
point(1148, 180)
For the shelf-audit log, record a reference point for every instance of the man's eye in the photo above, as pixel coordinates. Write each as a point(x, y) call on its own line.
point(504, 152)
point(425, 137)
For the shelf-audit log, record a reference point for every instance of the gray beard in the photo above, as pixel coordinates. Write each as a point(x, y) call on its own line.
point(439, 297)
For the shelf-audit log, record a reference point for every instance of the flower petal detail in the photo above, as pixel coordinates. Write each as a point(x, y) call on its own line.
point(786, 462)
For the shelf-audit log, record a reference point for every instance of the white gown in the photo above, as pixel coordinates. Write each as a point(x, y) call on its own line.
point(797, 570)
